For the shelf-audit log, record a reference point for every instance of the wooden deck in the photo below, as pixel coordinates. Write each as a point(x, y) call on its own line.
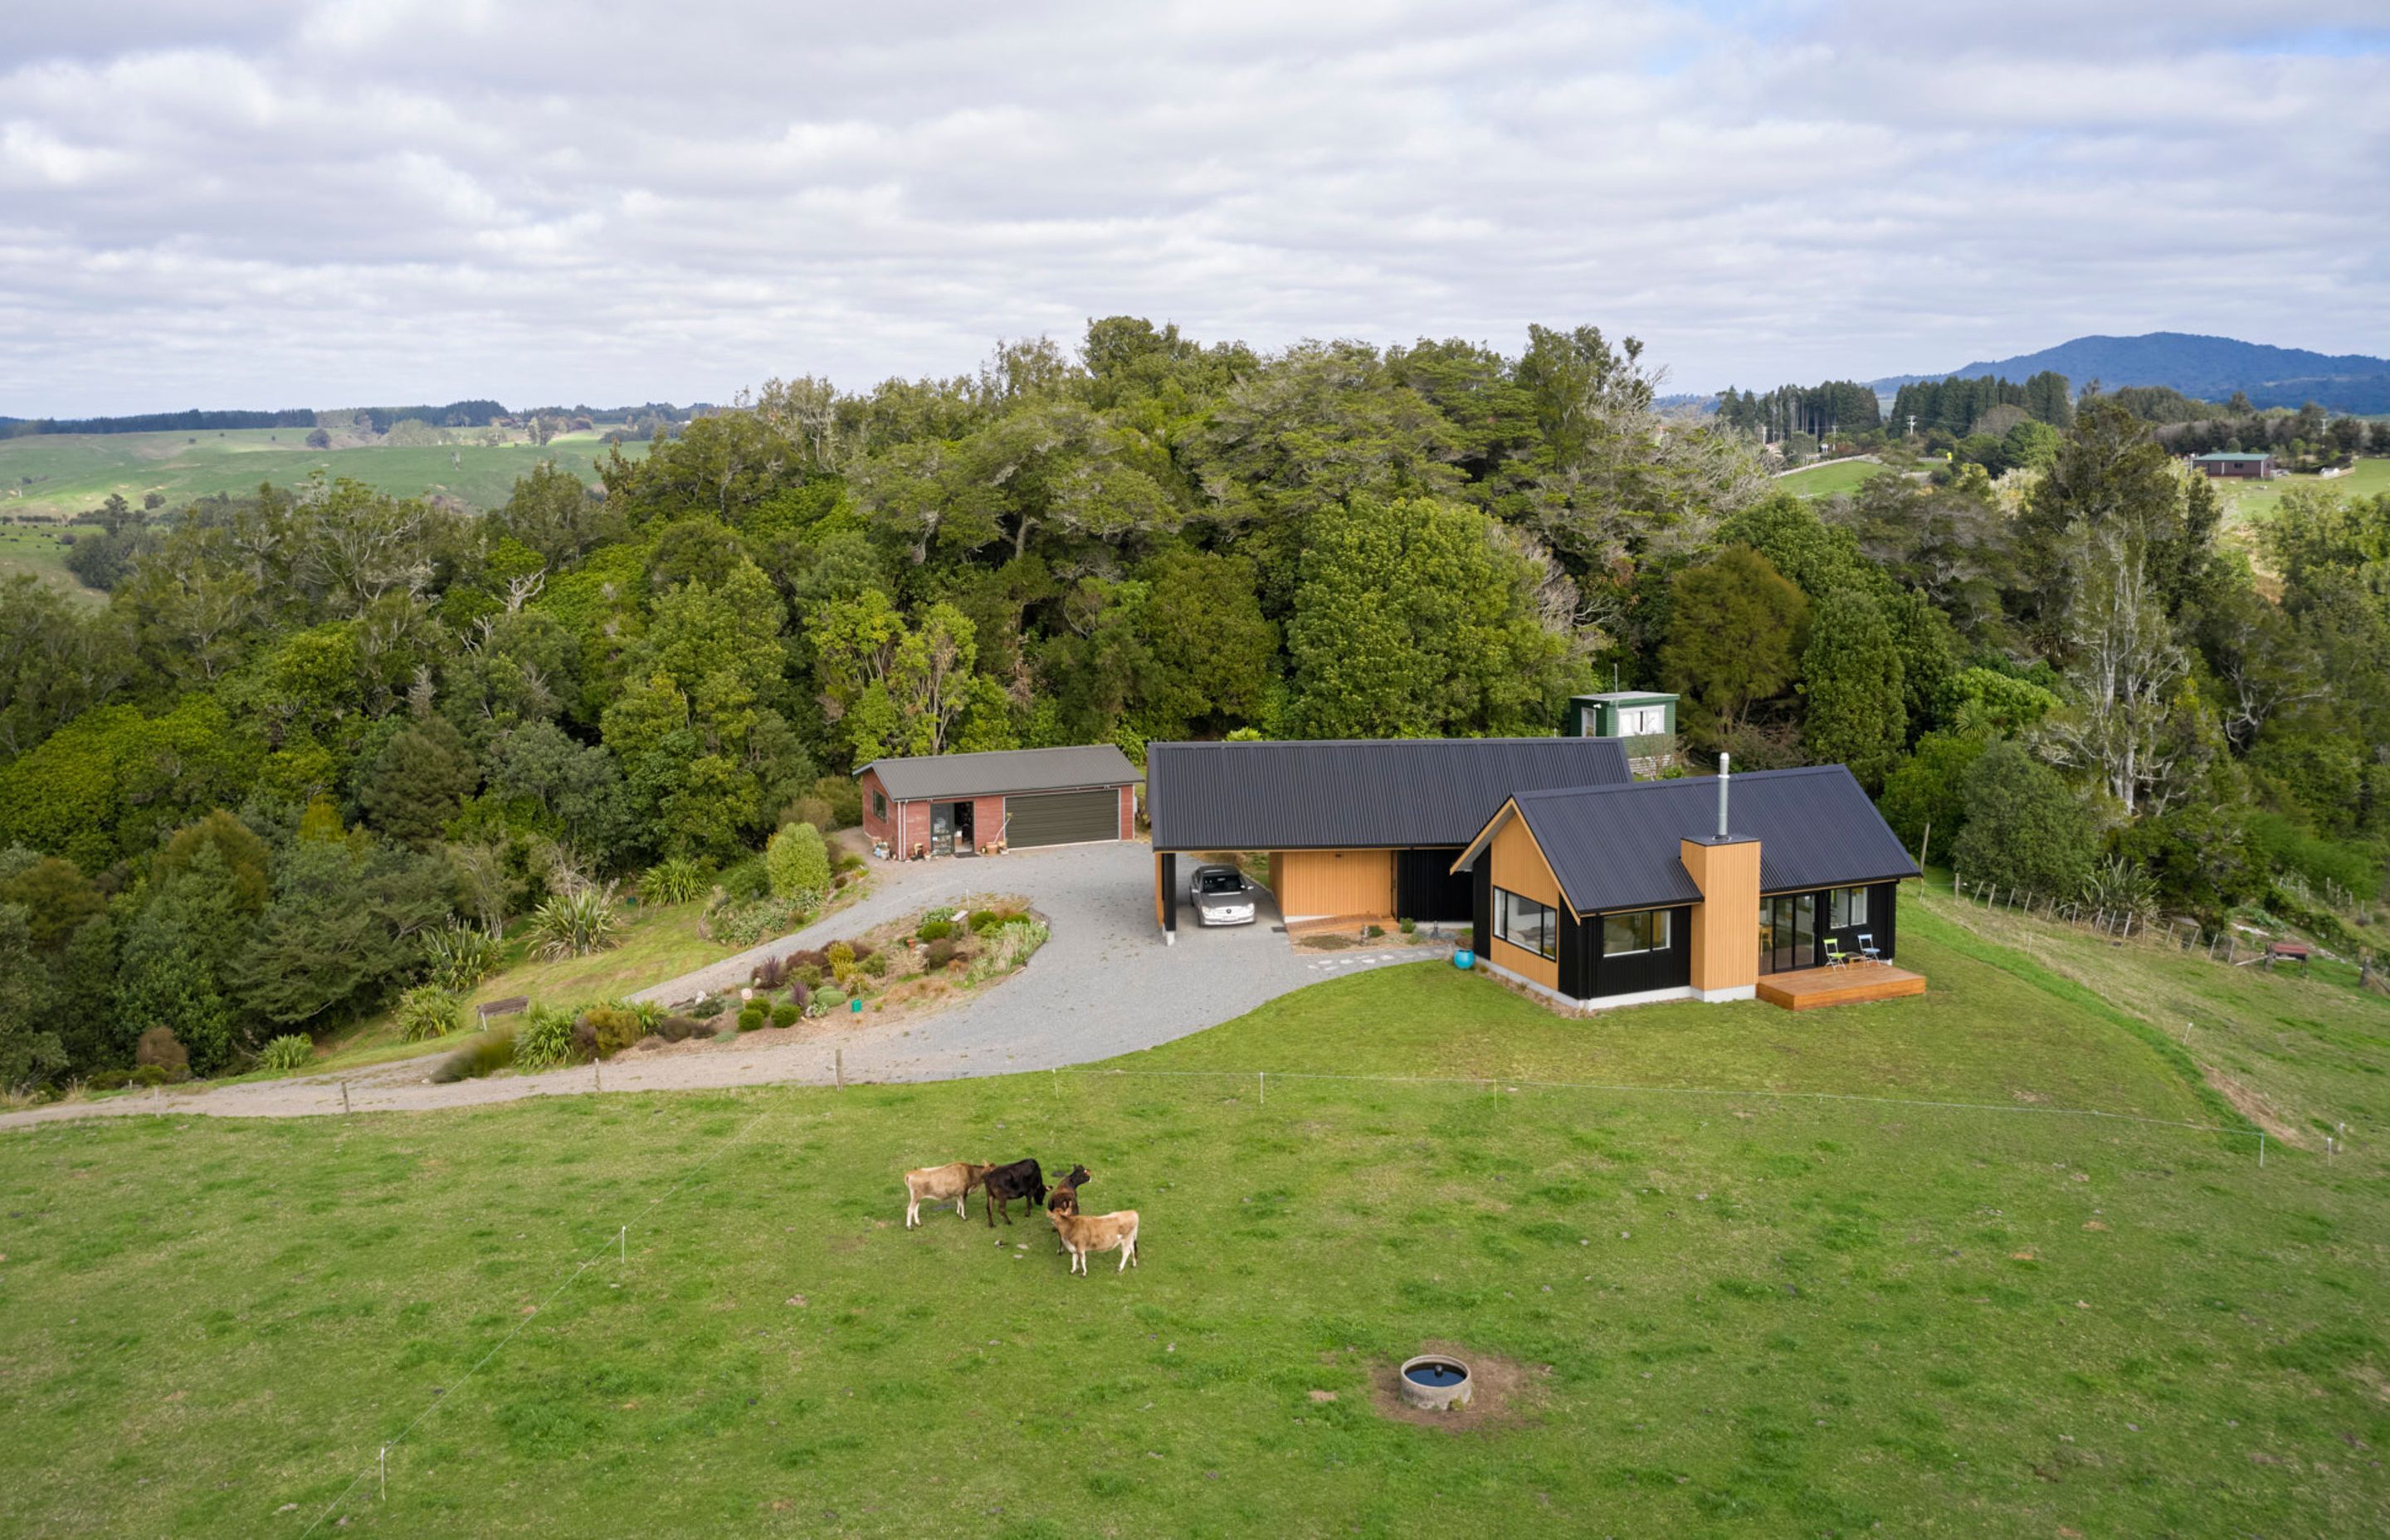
point(1813, 988)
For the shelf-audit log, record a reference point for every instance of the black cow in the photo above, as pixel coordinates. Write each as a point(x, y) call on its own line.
point(1020, 1179)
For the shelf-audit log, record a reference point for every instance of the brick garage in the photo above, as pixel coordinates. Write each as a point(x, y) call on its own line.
point(958, 804)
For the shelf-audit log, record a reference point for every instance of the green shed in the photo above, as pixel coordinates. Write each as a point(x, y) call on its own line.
point(1621, 713)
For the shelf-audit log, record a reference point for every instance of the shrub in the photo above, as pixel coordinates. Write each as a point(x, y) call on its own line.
point(545, 1039)
point(940, 952)
point(861, 949)
point(677, 1029)
point(1376, 932)
point(935, 930)
point(605, 1030)
point(946, 912)
point(158, 1049)
point(771, 973)
point(800, 996)
point(840, 954)
point(752, 1015)
point(675, 881)
point(2025, 827)
point(988, 919)
point(744, 882)
point(810, 809)
point(876, 965)
point(785, 1014)
point(286, 1053)
point(109, 1080)
point(798, 862)
point(427, 1011)
point(827, 1001)
point(574, 925)
point(705, 1007)
point(759, 920)
point(474, 1061)
point(1411, 927)
point(849, 864)
point(844, 799)
point(154, 1074)
point(808, 977)
point(1006, 948)
point(458, 956)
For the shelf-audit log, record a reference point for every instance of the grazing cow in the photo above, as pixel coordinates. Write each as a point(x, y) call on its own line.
point(1082, 1235)
point(1021, 1179)
point(936, 1184)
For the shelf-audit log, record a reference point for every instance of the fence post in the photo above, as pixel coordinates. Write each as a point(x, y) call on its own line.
point(838, 1066)
point(1264, 1076)
point(344, 1095)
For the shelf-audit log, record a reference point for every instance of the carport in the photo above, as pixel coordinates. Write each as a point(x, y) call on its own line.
point(964, 804)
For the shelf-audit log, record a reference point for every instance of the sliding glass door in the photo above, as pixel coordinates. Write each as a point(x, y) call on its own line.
point(1788, 933)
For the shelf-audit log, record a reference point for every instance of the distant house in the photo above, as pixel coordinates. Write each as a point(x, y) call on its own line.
point(2236, 463)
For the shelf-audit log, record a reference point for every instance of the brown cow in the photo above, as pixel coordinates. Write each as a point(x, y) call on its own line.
point(936, 1184)
point(1082, 1235)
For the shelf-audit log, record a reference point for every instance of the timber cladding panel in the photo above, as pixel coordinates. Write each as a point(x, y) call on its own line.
point(1725, 922)
point(1311, 884)
point(1520, 865)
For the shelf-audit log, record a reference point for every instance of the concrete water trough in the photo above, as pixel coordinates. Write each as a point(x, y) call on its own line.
point(1435, 1382)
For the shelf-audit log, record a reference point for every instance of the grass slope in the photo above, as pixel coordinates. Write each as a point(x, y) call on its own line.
point(59, 475)
point(37, 552)
point(1828, 481)
point(1761, 1315)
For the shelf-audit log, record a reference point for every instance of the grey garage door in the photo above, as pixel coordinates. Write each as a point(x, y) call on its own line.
point(1062, 817)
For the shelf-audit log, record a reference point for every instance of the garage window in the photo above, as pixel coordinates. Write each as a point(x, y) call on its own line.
point(879, 803)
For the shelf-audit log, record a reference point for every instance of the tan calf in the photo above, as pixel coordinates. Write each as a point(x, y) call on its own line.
point(1083, 1234)
point(936, 1184)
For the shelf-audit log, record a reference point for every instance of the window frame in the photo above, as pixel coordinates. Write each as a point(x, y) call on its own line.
point(1504, 901)
point(1846, 908)
point(1654, 929)
point(879, 803)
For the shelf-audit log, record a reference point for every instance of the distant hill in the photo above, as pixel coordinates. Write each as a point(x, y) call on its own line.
point(2208, 367)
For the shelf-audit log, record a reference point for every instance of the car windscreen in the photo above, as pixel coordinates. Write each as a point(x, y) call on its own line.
point(1220, 883)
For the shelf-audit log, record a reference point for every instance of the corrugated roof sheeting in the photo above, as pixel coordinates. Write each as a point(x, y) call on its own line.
point(1003, 770)
point(1344, 793)
point(1617, 847)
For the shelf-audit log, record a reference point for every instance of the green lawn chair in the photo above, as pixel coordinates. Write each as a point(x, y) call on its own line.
point(1835, 956)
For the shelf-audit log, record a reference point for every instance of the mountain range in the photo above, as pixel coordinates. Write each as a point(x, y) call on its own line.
point(2208, 367)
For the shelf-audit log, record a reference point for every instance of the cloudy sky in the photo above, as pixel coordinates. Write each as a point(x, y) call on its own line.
point(379, 201)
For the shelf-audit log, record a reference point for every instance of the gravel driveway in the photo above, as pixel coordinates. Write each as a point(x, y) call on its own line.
point(1105, 984)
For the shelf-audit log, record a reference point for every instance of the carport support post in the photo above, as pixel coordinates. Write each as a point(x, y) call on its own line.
point(1165, 878)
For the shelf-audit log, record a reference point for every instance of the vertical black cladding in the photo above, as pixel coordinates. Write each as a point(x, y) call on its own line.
point(1670, 967)
point(1427, 889)
point(1580, 952)
point(1169, 880)
point(1481, 903)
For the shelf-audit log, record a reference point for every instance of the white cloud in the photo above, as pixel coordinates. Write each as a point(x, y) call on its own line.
point(345, 202)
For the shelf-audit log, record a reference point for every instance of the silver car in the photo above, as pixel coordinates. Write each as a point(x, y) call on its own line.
point(1222, 896)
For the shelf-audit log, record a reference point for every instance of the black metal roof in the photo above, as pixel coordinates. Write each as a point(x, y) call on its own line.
point(1356, 794)
point(954, 776)
point(1616, 847)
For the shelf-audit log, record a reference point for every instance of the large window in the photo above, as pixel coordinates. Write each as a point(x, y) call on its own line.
point(879, 803)
point(1646, 930)
point(1846, 907)
point(1642, 721)
point(1525, 923)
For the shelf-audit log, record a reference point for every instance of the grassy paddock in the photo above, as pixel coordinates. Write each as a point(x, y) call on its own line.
point(59, 475)
point(1762, 1316)
point(1830, 480)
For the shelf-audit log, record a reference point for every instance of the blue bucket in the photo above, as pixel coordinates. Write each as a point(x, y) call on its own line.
point(1464, 957)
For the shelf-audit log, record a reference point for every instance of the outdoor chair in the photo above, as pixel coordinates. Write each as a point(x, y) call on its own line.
point(1835, 956)
point(1868, 947)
